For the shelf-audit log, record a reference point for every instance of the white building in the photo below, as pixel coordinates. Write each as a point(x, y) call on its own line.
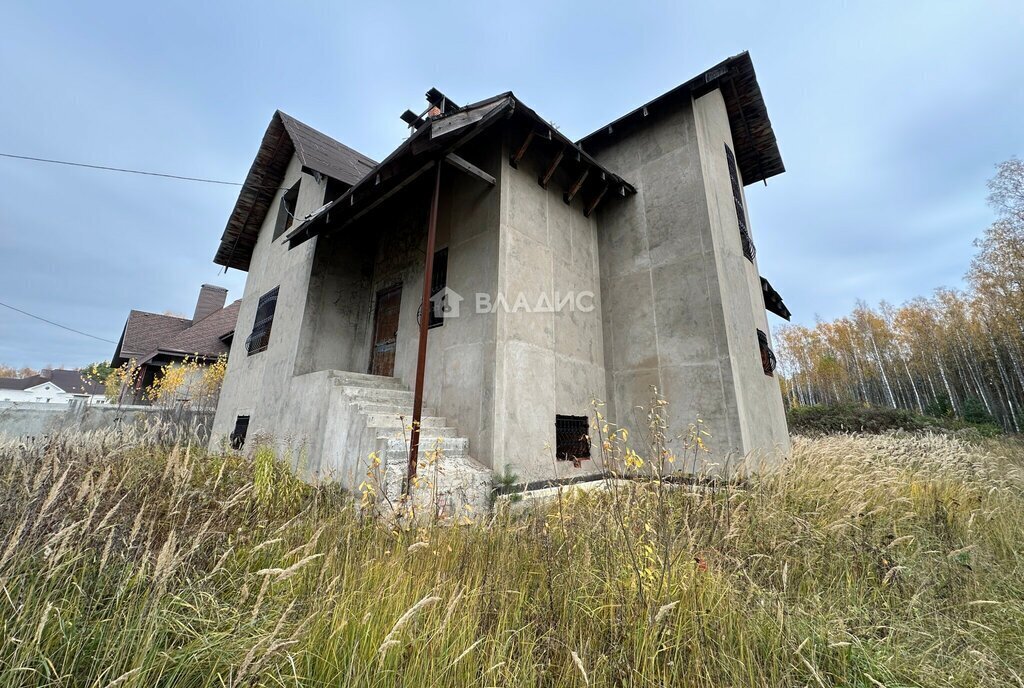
point(52, 387)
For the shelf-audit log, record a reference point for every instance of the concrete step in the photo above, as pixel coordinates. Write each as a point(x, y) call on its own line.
point(449, 445)
point(363, 380)
point(378, 395)
point(394, 420)
point(354, 378)
point(427, 435)
point(369, 407)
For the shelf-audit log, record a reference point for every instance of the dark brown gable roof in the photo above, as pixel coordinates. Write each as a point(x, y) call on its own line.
point(320, 153)
point(757, 152)
point(205, 339)
point(148, 335)
point(143, 333)
point(73, 382)
point(284, 137)
point(19, 382)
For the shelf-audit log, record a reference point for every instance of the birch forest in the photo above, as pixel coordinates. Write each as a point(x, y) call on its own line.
point(958, 352)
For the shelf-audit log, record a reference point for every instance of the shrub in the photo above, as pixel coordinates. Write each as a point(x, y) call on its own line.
point(975, 413)
point(823, 420)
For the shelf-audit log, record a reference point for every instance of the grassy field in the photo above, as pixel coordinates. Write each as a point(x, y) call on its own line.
point(868, 561)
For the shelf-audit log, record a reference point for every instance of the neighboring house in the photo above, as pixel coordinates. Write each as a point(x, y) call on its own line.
point(154, 341)
point(52, 387)
point(633, 244)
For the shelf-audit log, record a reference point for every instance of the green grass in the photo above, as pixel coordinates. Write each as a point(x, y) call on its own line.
point(867, 561)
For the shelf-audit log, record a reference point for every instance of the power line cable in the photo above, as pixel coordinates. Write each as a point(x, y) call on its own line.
point(50, 322)
point(129, 171)
point(119, 169)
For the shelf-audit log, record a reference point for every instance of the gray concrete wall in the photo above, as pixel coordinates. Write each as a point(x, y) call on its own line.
point(335, 326)
point(35, 420)
point(546, 363)
point(261, 385)
point(671, 300)
point(762, 418)
point(664, 318)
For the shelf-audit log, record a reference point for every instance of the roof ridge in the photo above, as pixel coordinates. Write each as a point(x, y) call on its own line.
point(208, 316)
point(159, 315)
point(298, 121)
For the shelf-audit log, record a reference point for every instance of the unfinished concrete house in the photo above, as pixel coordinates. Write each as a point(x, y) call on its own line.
point(554, 272)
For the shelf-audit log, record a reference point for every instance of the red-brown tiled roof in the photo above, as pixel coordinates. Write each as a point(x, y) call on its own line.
point(148, 334)
point(205, 338)
point(144, 332)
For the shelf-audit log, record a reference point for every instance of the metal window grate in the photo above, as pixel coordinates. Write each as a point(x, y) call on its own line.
point(768, 361)
point(572, 438)
point(260, 337)
point(237, 436)
point(737, 198)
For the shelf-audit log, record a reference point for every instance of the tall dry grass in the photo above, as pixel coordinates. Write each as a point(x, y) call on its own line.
point(868, 561)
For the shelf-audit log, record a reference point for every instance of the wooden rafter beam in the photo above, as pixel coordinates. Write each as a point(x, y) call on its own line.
point(575, 188)
point(592, 206)
point(518, 155)
point(469, 168)
point(546, 177)
point(388, 194)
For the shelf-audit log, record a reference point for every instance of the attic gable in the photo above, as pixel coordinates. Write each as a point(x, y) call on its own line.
point(285, 137)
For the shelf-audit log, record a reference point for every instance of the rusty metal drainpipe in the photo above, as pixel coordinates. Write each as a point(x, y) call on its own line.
point(421, 356)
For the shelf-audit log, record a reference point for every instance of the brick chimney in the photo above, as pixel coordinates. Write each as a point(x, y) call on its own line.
point(211, 299)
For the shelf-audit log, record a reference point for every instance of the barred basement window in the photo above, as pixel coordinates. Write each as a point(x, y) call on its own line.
point(286, 211)
point(572, 438)
point(767, 355)
point(737, 199)
point(237, 436)
point(260, 337)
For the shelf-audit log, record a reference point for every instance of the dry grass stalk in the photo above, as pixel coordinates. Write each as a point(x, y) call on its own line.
point(403, 621)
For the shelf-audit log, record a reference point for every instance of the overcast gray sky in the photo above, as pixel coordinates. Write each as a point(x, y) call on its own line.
point(890, 117)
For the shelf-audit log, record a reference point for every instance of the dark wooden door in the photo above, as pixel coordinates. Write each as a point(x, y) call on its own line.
point(385, 331)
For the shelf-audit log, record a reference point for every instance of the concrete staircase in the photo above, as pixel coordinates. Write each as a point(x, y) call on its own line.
point(380, 420)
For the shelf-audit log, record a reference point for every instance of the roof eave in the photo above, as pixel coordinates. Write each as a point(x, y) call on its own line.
point(438, 144)
point(757, 150)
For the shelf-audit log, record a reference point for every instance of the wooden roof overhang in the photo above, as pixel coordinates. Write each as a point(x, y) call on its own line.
point(258, 191)
point(440, 138)
point(756, 149)
point(773, 301)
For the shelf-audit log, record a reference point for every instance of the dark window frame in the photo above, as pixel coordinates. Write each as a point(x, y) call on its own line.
point(768, 361)
point(737, 198)
point(572, 438)
point(263, 323)
point(237, 436)
point(286, 210)
point(438, 283)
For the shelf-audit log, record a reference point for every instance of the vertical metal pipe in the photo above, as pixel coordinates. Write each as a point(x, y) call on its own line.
point(421, 356)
